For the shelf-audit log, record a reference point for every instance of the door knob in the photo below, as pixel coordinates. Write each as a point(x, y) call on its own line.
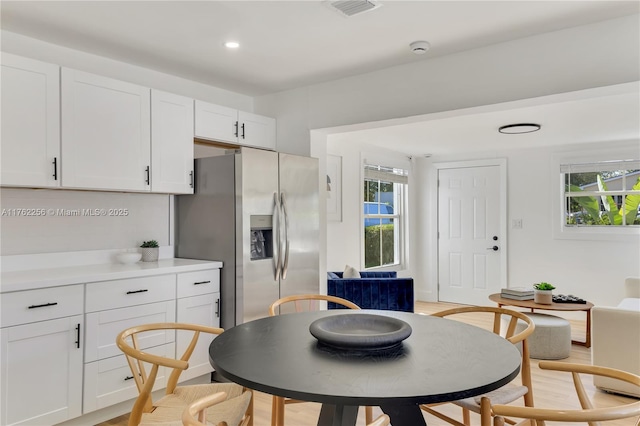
point(495, 238)
point(494, 248)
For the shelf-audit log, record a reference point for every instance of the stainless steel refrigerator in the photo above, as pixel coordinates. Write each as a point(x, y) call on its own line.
point(257, 212)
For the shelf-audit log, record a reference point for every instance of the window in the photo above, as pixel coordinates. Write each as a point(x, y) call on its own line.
point(385, 194)
point(601, 194)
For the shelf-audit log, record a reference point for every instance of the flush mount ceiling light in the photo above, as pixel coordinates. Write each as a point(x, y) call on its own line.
point(515, 129)
point(231, 44)
point(420, 47)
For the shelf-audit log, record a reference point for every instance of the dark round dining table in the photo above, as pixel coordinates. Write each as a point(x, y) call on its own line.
point(442, 360)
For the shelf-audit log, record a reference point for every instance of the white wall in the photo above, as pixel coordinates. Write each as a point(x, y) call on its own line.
point(588, 56)
point(595, 55)
point(592, 269)
point(60, 225)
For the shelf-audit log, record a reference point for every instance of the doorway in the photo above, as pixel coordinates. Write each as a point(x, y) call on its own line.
point(471, 231)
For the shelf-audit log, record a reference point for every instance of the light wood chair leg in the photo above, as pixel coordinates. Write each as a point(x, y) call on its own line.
point(368, 414)
point(274, 411)
point(466, 418)
point(485, 412)
point(280, 411)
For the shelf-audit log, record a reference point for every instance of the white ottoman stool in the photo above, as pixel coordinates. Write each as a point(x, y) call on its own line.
point(551, 339)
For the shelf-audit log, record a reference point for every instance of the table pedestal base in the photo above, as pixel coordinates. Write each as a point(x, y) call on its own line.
point(404, 415)
point(338, 415)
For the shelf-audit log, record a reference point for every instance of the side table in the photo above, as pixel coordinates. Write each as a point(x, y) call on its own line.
point(530, 304)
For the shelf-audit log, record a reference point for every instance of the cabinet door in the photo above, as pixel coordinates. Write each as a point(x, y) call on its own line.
point(203, 310)
point(171, 143)
point(257, 130)
point(109, 381)
point(105, 133)
point(216, 122)
point(30, 122)
point(41, 372)
point(103, 327)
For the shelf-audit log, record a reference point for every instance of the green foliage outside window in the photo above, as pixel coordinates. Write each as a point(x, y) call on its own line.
point(586, 210)
point(373, 237)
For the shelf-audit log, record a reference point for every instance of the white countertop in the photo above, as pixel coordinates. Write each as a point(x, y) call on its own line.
point(52, 277)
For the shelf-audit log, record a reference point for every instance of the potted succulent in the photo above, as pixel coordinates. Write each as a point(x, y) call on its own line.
point(543, 293)
point(150, 251)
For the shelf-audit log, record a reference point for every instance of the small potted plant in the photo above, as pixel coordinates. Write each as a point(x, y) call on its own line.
point(150, 251)
point(543, 293)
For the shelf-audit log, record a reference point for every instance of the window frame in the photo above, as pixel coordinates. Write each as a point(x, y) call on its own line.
point(400, 216)
point(604, 233)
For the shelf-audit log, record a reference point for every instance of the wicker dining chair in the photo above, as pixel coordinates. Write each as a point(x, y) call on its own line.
point(196, 413)
point(301, 303)
point(587, 413)
point(146, 367)
point(508, 393)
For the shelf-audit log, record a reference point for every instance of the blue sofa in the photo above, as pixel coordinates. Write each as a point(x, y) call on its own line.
point(374, 290)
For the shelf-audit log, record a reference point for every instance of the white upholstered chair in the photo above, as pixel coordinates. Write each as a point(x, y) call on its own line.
point(615, 339)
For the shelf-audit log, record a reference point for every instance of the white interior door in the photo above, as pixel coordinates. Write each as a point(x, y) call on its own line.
point(471, 230)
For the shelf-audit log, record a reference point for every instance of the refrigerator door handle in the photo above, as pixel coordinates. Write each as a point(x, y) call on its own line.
point(276, 237)
point(285, 263)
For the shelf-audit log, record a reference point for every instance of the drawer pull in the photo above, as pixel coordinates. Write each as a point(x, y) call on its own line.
point(137, 291)
point(131, 377)
point(202, 282)
point(78, 336)
point(42, 306)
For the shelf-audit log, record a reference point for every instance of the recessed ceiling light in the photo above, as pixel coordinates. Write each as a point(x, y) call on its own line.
point(232, 44)
point(514, 129)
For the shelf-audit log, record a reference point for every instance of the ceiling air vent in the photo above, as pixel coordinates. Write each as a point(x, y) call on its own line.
point(353, 7)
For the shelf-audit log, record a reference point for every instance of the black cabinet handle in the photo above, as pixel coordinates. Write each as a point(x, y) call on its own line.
point(128, 378)
point(148, 176)
point(191, 178)
point(217, 308)
point(236, 132)
point(137, 291)
point(43, 305)
point(242, 130)
point(78, 336)
point(55, 168)
point(202, 282)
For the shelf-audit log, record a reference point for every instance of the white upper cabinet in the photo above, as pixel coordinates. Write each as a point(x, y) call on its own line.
point(257, 130)
point(216, 122)
point(105, 133)
point(30, 122)
point(219, 123)
point(171, 143)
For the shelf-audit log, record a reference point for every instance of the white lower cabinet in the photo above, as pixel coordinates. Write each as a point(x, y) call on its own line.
point(198, 303)
point(58, 353)
point(106, 368)
point(41, 361)
point(197, 310)
point(109, 381)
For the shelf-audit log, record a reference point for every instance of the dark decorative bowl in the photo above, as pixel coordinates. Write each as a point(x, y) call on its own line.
point(360, 331)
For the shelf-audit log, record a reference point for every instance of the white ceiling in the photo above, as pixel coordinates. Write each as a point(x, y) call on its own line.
point(590, 116)
point(289, 44)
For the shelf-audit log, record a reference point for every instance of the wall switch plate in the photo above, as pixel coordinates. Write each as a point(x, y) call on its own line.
point(516, 223)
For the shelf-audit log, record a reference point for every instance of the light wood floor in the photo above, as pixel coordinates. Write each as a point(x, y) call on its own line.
point(551, 389)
